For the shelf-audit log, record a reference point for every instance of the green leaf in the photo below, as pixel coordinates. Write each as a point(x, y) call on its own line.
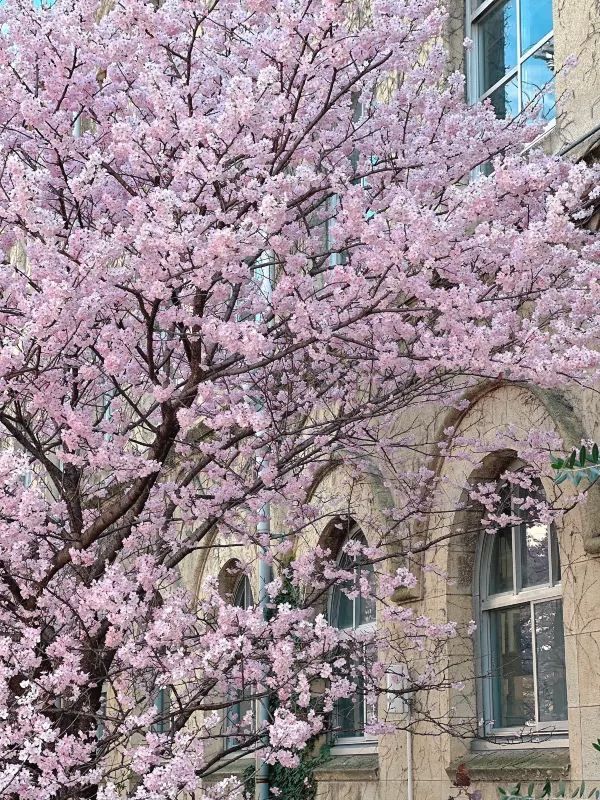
point(595, 453)
point(571, 460)
point(530, 789)
point(582, 455)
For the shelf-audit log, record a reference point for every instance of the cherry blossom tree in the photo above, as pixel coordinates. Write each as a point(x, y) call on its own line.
point(240, 240)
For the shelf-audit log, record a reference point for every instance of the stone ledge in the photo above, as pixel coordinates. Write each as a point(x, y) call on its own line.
point(348, 768)
point(512, 765)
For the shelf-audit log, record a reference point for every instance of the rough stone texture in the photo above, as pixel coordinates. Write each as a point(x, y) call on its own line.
point(359, 768)
point(515, 765)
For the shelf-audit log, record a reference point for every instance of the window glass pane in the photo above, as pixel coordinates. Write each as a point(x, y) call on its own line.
point(350, 716)
point(512, 666)
point(497, 35)
point(235, 714)
point(350, 712)
point(505, 99)
point(535, 569)
point(536, 21)
point(537, 81)
point(501, 563)
point(162, 705)
point(342, 608)
point(550, 654)
point(242, 597)
point(350, 613)
point(556, 572)
point(366, 605)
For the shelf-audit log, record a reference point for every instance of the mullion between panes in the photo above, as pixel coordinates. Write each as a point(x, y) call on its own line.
point(487, 664)
point(516, 556)
point(356, 601)
point(536, 594)
point(523, 58)
point(536, 46)
point(503, 80)
point(481, 10)
point(519, 63)
point(534, 658)
point(549, 548)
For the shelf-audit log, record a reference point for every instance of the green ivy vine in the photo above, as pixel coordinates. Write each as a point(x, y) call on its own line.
point(291, 783)
point(298, 783)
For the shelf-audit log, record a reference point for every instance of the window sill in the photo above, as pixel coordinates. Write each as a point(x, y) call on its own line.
point(535, 740)
point(355, 745)
point(511, 764)
point(348, 767)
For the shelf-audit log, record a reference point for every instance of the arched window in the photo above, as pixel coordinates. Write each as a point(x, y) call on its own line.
point(351, 614)
point(521, 623)
point(243, 702)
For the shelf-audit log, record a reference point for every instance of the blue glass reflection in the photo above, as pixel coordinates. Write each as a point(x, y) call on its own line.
point(537, 82)
point(536, 22)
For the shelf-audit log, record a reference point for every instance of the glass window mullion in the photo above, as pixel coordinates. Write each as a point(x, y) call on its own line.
point(487, 663)
point(516, 557)
point(356, 600)
point(534, 657)
point(536, 46)
point(504, 80)
point(480, 10)
point(519, 61)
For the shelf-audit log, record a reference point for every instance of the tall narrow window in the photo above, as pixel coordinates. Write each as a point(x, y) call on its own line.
point(521, 631)
point(513, 57)
point(242, 700)
point(352, 614)
point(162, 704)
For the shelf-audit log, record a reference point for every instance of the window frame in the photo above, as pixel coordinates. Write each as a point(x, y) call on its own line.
point(474, 14)
point(520, 595)
point(359, 741)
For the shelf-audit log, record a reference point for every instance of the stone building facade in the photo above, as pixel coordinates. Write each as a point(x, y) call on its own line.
point(518, 45)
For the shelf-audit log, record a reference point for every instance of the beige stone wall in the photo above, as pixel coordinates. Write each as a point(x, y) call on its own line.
point(577, 33)
point(383, 775)
point(433, 755)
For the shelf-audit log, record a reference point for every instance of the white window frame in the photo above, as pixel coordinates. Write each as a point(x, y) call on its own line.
point(359, 743)
point(486, 602)
point(474, 14)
